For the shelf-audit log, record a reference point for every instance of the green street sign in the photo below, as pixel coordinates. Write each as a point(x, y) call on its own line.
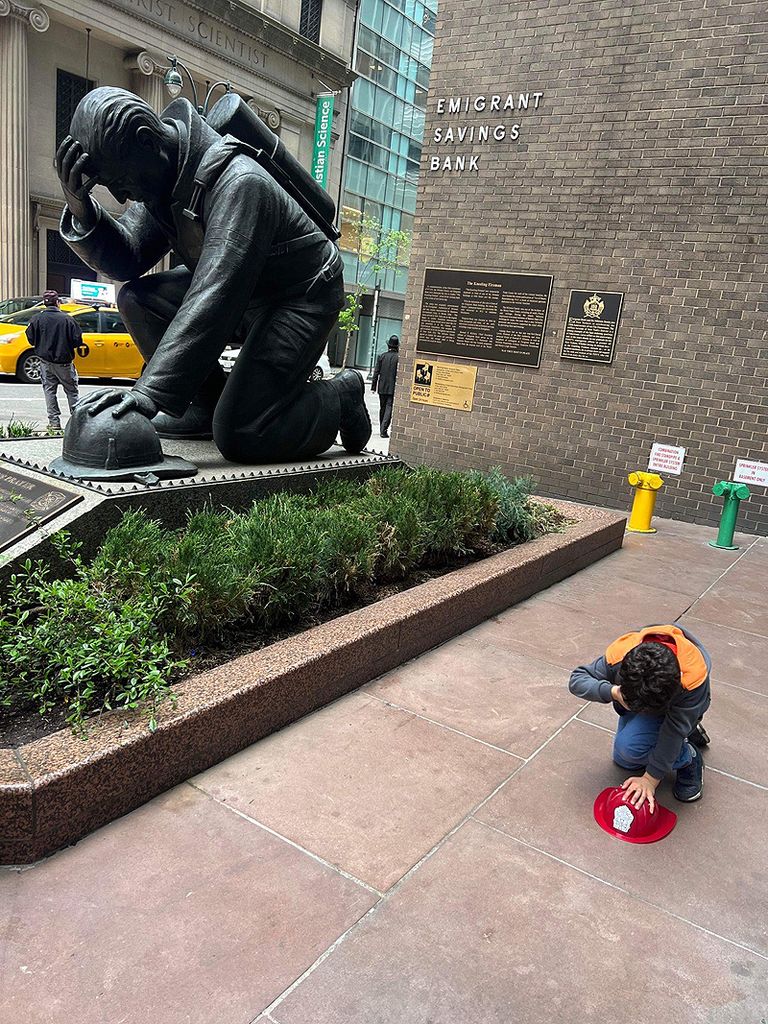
point(321, 155)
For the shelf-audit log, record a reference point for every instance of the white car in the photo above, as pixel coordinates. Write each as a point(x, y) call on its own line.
point(323, 368)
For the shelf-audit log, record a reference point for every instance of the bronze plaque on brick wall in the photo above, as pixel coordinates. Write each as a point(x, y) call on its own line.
point(591, 326)
point(483, 315)
point(26, 504)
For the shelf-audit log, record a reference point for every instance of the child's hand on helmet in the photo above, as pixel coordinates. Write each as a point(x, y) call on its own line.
point(641, 788)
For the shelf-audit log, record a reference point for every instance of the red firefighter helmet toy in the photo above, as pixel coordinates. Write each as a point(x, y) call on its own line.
point(616, 816)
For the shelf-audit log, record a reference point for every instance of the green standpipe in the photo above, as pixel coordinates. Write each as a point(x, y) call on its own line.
point(732, 494)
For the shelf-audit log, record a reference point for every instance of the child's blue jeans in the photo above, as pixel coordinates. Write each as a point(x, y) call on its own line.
point(636, 736)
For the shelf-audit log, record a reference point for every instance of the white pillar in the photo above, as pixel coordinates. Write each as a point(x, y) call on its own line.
point(15, 212)
point(147, 80)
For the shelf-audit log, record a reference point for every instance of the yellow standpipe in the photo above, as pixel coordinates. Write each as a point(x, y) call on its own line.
point(646, 485)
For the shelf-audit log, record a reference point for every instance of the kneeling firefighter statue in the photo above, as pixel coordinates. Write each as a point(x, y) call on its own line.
point(259, 268)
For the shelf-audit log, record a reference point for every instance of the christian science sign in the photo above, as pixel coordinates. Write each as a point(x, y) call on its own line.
point(498, 125)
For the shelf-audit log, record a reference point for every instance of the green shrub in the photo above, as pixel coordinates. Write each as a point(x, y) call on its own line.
point(281, 536)
point(519, 518)
point(18, 428)
point(70, 644)
point(115, 634)
point(456, 511)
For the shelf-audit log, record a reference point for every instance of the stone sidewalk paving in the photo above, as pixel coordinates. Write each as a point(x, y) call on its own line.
point(423, 851)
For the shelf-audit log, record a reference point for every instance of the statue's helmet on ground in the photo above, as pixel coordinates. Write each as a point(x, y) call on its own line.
point(101, 447)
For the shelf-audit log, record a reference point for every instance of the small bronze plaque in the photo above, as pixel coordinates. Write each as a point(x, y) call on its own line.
point(25, 504)
point(480, 314)
point(591, 326)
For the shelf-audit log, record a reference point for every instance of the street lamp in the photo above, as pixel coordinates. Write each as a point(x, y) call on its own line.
point(174, 82)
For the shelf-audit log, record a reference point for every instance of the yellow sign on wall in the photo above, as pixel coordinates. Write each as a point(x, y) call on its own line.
point(446, 384)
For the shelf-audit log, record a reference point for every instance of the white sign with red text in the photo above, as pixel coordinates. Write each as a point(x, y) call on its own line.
point(666, 458)
point(750, 472)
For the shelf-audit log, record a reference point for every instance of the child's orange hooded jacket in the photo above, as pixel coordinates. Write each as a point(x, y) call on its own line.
point(594, 682)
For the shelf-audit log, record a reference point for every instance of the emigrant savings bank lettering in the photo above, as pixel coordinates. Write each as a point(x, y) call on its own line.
point(495, 126)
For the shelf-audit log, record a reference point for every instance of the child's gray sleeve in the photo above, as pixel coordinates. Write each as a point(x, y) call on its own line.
point(679, 722)
point(593, 681)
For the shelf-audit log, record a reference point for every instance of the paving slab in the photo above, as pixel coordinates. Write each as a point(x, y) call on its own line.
point(739, 598)
point(555, 633)
point(681, 573)
point(485, 690)
point(674, 528)
point(180, 912)
point(489, 930)
point(601, 592)
point(737, 722)
point(184, 911)
point(691, 543)
point(710, 870)
point(369, 788)
point(738, 657)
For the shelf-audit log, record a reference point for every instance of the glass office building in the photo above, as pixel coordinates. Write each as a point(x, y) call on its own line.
point(393, 56)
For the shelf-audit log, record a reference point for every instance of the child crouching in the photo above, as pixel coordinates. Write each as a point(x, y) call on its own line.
point(658, 681)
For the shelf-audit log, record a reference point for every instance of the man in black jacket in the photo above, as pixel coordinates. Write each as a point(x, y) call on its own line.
point(383, 381)
point(55, 335)
point(255, 270)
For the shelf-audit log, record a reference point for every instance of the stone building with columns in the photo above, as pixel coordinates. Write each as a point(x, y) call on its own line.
point(277, 54)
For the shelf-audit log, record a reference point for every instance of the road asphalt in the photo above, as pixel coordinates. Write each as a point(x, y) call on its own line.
point(25, 402)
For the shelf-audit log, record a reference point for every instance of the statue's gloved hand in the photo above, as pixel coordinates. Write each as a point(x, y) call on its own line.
point(71, 163)
point(123, 402)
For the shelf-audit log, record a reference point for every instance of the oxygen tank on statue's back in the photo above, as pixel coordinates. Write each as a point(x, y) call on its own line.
point(232, 116)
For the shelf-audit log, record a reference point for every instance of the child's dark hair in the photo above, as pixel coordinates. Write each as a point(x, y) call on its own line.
point(649, 677)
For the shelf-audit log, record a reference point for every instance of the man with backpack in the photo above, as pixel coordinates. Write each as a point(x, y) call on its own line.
point(256, 270)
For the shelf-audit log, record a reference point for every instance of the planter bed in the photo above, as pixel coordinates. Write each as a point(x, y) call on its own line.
point(57, 789)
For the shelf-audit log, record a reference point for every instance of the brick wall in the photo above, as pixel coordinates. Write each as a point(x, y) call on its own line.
point(643, 171)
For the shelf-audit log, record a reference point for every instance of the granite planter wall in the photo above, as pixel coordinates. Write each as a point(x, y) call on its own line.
point(57, 789)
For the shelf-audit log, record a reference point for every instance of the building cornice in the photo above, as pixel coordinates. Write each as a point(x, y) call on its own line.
point(257, 31)
point(266, 30)
point(259, 28)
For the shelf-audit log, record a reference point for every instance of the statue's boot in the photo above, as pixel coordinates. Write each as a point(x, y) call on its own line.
point(195, 425)
point(355, 426)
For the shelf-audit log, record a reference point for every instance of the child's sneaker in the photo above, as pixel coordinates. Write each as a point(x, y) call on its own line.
point(689, 783)
point(699, 736)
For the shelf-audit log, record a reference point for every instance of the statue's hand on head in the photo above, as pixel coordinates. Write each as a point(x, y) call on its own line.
point(71, 163)
point(123, 402)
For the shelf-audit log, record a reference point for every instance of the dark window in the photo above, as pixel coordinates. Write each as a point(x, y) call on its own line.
point(22, 318)
point(112, 323)
point(63, 264)
point(88, 322)
point(70, 89)
point(309, 24)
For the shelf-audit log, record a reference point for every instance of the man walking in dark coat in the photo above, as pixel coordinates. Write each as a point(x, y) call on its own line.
point(255, 271)
point(383, 381)
point(54, 335)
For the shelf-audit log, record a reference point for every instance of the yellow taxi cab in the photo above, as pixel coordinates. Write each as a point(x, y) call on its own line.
point(107, 349)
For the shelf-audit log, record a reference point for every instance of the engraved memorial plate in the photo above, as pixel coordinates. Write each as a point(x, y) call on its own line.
point(591, 326)
point(27, 503)
point(481, 315)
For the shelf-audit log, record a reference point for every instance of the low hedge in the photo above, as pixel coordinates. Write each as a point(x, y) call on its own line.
point(123, 627)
